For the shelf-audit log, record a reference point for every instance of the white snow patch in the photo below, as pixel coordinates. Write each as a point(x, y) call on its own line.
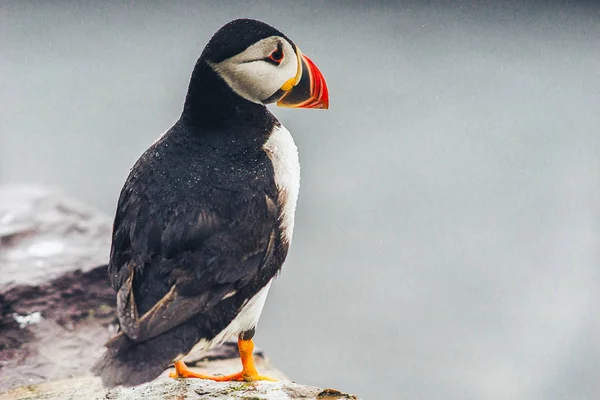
point(7, 218)
point(28, 319)
point(46, 249)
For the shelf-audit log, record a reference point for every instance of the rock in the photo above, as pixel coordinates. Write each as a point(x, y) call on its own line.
point(44, 234)
point(89, 388)
point(57, 311)
point(55, 298)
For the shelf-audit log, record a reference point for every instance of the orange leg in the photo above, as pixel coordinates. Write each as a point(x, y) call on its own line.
point(248, 372)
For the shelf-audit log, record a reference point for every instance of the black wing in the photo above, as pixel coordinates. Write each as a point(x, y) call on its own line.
point(171, 262)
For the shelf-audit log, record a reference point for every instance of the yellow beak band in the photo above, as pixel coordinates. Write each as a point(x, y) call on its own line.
point(290, 83)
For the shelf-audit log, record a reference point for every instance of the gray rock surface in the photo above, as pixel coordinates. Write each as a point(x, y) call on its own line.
point(55, 300)
point(57, 308)
point(44, 234)
point(175, 389)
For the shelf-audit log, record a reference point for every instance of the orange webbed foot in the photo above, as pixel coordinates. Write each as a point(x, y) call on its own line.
point(247, 374)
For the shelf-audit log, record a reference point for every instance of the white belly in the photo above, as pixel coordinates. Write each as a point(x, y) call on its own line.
point(282, 151)
point(246, 319)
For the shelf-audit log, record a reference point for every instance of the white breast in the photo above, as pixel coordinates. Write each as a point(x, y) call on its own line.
point(282, 151)
point(246, 319)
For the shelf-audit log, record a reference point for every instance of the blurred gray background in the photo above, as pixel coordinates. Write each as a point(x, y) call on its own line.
point(448, 229)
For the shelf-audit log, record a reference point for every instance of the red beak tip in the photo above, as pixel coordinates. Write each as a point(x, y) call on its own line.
point(313, 91)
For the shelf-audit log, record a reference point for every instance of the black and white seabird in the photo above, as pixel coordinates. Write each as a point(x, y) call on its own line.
point(205, 218)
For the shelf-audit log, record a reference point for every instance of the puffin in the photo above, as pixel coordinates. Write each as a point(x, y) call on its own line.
point(205, 218)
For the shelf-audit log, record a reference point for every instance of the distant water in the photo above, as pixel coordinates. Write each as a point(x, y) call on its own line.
point(448, 230)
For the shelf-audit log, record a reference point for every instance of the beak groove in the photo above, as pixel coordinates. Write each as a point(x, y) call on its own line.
point(310, 90)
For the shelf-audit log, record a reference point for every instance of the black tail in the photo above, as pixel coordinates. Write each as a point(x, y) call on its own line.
point(136, 363)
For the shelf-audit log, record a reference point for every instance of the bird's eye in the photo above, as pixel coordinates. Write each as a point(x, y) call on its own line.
point(277, 56)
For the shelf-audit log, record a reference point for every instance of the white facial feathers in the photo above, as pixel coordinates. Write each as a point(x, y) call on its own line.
point(254, 78)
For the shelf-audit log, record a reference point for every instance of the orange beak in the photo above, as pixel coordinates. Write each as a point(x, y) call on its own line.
point(308, 89)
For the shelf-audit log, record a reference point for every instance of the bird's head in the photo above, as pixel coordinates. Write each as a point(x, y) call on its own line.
point(262, 65)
